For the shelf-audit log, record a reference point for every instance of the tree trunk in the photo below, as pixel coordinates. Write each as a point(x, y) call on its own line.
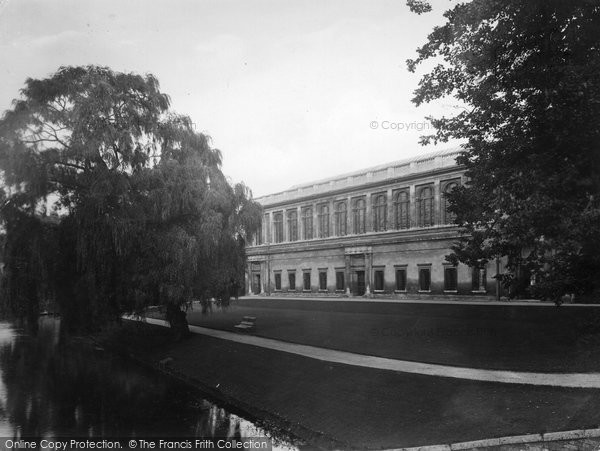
point(178, 322)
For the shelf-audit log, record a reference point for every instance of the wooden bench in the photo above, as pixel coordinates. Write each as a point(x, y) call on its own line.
point(248, 324)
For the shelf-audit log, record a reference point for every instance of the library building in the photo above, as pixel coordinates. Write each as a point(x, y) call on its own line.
point(380, 232)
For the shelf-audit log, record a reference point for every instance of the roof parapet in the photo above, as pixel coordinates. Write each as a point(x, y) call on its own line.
point(393, 170)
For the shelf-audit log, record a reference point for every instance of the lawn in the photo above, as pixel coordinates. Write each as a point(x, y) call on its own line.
point(513, 337)
point(363, 407)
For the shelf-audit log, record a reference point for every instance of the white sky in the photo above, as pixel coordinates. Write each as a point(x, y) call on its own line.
point(286, 89)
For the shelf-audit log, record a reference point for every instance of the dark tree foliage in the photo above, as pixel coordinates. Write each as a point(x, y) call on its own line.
point(526, 73)
point(112, 203)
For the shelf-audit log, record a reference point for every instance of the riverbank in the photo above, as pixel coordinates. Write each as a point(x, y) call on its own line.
point(54, 387)
point(336, 405)
point(151, 347)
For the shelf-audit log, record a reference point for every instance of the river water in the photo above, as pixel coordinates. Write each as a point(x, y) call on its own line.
point(50, 389)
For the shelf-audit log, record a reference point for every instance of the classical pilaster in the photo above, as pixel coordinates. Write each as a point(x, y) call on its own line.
point(437, 203)
point(249, 278)
point(300, 224)
point(268, 228)
point(368, 271)
point(369, 213)
point(413, 206)
point(331, 218)
point(315, 221)
point(390, 211)
point(347, 274)
point(349, 220)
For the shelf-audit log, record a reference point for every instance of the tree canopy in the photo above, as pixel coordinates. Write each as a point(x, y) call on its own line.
point(526, 74)
point(112, 202)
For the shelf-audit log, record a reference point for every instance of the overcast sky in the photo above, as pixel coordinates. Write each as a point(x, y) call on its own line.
point(289, 91)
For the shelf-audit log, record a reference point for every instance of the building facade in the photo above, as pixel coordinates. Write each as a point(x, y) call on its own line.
point(381, 232)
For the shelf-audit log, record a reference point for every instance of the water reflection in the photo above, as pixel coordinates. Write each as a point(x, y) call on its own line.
point(53, 389)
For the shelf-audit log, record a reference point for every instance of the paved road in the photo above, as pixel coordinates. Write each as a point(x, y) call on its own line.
point(576, 380)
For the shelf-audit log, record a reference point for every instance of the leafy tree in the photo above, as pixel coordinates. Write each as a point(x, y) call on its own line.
point(112, 202)
point(526, 74)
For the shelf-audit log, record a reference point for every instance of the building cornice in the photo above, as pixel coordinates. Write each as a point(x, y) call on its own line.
point(439, 233)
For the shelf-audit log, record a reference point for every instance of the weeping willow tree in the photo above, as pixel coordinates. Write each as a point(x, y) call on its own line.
point(112, 203)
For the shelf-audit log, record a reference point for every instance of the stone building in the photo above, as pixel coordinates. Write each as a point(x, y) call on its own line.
point(380, 232)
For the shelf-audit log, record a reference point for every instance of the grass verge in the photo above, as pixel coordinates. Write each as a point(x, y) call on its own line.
point(336, 405)
point(505, 337)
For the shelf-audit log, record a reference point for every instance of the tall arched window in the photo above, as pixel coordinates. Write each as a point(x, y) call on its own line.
point(359, 216)
point(292, 223)
point(380, 213)
point(278, 227)
point(307, 223)
point(402, 210)
point(258, 239)
point(449, 216)
point(341, 218)
point(425, 207)
point(323, 214)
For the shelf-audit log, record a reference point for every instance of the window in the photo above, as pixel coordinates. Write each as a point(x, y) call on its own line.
point(449, 217)
point(425, 207)
point(479, 281)
point(266, 232)
point(323, 221)
point(306, 280)
point(259, 236)
point(278, 226)
point(450, 278)
point(400, 279)
point(340, 218)
point(358, 214)
point(322, 280)
point(379, 280)
point(380, 213)
point(339, 281)
point(278, 281)
point(292, 280)
point(307, 223)
point(292, 222)
point(402, 210)
point(424, 279)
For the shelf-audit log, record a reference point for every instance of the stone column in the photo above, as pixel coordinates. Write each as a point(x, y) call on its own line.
point(368, 271)
point(315, 222)
point(349, 220)
point(437, 203)
point(249, 278)
point(347, 274)
point(331, 218)
point(263, 276)
point(390, 210)
point(412, 210)
point(369, 213)
point(298, 223)
point(268, 228)
point(482, 277)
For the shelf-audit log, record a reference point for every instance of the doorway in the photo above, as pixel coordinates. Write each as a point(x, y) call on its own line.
point(256, 284)
point(359, 283)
